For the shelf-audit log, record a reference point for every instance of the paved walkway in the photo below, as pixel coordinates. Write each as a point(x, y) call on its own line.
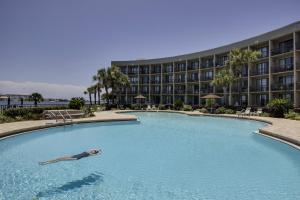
point(18, 127)
point(284, 129)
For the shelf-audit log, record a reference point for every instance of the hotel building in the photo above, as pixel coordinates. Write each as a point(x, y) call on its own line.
point(275, 74)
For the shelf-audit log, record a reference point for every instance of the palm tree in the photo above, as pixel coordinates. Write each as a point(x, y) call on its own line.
point(36, 97)
point(118, 81)
point(238, 58)
point(224, 78)
point(103, 79)
point(89, 91)
point(94, 91)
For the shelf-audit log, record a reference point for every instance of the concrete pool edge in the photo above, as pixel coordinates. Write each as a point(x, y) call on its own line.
point(276, 128)
point(18, 128)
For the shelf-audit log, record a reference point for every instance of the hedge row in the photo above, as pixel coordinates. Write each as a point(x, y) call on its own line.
point(25, 111)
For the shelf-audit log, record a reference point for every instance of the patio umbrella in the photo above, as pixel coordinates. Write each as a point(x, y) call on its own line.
point(139, 98)
point(211, 96)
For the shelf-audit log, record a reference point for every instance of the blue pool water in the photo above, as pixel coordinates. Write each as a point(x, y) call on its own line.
point(164, 157)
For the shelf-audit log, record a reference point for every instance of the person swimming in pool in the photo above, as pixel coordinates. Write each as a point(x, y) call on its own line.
point(92, 152)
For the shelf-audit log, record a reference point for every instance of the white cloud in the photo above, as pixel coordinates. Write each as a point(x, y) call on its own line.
point(48, 90)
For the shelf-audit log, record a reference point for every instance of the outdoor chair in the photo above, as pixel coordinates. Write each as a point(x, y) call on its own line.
point(258, 112)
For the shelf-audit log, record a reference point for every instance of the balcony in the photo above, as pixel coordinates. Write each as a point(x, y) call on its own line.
point(131, 92)
point(155, 81)
point(220, 90)
point(207, 66)
point(134, 82)
point(284, 49)
point(259, 73)
point(144, 82)
point(155, 71)
point(155, 92)
point(179, 81)
point(206, 78)
point(263, 55)
point(145, 92)
point(167, 81)
point(193, 91)
point(192, 67)
point(206, 90)
point(166, 91)
point(259, 89)
point(284, 68)
point(280, 87)
point(132, 72)
point(167, 71)
point(244, 74)
point(179, 91)
point(144, 71)
point(193, 80)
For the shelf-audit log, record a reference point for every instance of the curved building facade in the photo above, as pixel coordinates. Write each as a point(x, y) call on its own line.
point(276, 74)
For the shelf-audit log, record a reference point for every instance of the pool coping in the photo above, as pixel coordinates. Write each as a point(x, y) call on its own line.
point(25, 126)
point(271, 122)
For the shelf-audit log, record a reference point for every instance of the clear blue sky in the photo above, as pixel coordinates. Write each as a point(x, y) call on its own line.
point(66, 41)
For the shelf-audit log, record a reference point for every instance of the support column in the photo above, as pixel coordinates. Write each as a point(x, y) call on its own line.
point(126, 95)
point(295, 103)
point(248, 87)
point(185, 83)
point(173, 96)
point(230, 85)
point(199, 77)
point(138, 79)
point(149, 85)
point(214, 71)
point(161, 87)
point(270, 71)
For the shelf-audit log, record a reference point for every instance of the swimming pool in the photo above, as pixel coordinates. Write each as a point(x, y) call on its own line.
point(164, 156)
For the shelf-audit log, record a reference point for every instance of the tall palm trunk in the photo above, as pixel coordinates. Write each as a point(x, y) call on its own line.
point(95, 98)
point(225, 95)
point(90, 97)
point(99, 91)
point(106, 91)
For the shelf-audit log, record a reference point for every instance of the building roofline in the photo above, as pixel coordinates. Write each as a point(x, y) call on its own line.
point(277, 33)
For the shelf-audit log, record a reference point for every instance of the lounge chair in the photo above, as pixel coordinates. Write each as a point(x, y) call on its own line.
point(154, 107)
point(244, 112)
point(148, 107)
point(247, 112)
point(258, 112)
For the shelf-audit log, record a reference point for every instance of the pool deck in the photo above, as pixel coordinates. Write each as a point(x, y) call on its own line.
point(12, 128)
point(282, 129)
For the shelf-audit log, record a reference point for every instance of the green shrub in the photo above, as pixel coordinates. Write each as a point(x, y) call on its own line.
point(209, 103)
point(203, 110)
point(26, 113)
point(264, 114)
point(135, 107)
point(221, 110)
point(178, 104)
point(292, 115)
point(161, 107)
point(229, 111)
point(76, 103)
point(187, 108)
point(5, 119)
point(278, 107)
point(21, 112)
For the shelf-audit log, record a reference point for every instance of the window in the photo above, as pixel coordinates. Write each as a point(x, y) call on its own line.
point(262, 84)
point(263, 68)
point(264, 51)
